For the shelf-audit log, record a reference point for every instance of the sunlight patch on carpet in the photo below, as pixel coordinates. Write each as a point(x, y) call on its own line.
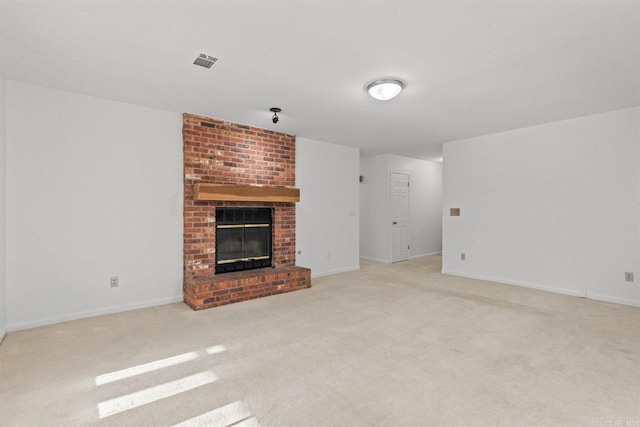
point(155, 365)
point(147, 367)
point(152, 394)
point(234, 414)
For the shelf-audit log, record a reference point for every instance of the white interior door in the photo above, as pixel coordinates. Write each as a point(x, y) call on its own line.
point(399, 217)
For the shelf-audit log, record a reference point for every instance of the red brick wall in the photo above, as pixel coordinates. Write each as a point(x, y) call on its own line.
point(221, 152)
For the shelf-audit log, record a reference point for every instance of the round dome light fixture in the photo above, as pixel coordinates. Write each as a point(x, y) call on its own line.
point(385, 89)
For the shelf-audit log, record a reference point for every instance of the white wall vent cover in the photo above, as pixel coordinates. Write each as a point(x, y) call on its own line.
point(205, 61)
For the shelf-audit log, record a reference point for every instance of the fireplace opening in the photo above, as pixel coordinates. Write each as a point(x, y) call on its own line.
point(243, 239)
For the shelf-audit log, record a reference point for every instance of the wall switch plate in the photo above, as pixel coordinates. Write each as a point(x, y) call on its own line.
point(628, 276)
point(114, 282)
point(463, 256)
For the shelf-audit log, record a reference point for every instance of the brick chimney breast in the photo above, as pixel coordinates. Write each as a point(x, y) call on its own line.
point(221, 152)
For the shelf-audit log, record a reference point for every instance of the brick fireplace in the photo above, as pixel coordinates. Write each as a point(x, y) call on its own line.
point(246, 167)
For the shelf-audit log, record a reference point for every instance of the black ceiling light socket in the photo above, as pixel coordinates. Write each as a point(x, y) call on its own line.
point(275, 111)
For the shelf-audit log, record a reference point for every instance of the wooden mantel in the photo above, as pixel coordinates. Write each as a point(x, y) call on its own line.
point(244, 193)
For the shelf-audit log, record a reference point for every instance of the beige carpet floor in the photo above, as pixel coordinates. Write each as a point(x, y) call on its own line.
point(389, 345)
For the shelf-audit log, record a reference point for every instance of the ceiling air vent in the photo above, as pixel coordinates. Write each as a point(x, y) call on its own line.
point(205, 61)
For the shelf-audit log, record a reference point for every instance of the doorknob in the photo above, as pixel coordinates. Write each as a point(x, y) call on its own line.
point(395, 222)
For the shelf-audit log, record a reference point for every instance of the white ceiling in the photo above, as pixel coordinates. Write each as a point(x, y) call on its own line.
point(471, 67)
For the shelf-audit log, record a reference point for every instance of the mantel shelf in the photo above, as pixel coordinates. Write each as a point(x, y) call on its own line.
point(244, 193)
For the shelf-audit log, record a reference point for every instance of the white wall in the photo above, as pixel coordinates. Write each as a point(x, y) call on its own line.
point(555, 206)
point(94, 191)
point(425, 206)
point(3, 208)
point(375, 211)
point(327, 215)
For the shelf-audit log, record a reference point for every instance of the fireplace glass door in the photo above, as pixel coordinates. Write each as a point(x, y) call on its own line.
point(243, 239)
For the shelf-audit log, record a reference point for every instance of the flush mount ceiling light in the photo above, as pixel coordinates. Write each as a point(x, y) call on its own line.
point(385, 89)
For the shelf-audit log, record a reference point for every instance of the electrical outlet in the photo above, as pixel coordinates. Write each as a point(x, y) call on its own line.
point(114, 282)
point(628, 276)
point(463, 256)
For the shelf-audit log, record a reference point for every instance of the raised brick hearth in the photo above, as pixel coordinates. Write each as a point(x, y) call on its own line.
point(211, 291)
point(221, 152)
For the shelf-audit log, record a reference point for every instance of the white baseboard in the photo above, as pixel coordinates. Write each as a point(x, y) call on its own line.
point(379, 261)
point(564, 291)
point(614, 300)
point(3, 333)
point(388, 261)
point(424, 255)
point(90, 313)
point(332, 272)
